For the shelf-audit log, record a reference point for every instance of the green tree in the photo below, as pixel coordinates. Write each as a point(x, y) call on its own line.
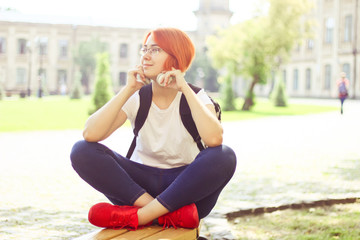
point(103, 85)
point(84, 57)
point(255, 62)
point(258, 45)
point(286, 17)
point(287, 26)
point(226, 59)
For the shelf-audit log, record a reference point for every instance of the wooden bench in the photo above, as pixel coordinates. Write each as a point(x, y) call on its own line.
point(153, 232)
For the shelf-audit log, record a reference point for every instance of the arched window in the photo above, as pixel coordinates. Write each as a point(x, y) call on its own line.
point(346, 69)
point(308, 79)
point(122, 78)
point(348, 29)
point(327, 83)
point(296, 80)
point(123, 50)
point(329, 30)
point(284, 77)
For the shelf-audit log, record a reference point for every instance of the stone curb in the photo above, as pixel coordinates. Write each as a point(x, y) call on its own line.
point(301, 205)
point(216, 227)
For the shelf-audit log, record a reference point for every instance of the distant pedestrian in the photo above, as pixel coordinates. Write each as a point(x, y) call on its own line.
point(343, 87)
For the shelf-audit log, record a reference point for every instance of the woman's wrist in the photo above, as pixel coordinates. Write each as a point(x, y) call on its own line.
point(184, 87)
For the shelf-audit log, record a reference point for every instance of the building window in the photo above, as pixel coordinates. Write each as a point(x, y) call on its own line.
point(20, 76)
point(42, 76)
point(21, 46)
point(327, 77)
point(348, 29)
point(43, 43)
point(346, 70)
point(308, 79)
point(123, 50)
point(296, 80)
point(63, 48)
point(284, 77)
point(310, 44)
point(61, 81)
point(122, 78)
point(2, 45)
point(329, 30)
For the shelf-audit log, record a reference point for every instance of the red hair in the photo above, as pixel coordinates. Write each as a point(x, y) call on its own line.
point(177, 44)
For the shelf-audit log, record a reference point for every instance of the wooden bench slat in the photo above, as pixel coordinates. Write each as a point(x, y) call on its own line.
point(102, 234)
point(148, 233)
point(139, 234)
point(175, 234)
point(153, 232)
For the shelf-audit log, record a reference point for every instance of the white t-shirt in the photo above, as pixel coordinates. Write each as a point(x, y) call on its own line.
point(163, 141)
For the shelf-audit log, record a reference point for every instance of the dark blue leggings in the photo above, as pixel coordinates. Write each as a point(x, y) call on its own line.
point(123, 181)
point(342, 100)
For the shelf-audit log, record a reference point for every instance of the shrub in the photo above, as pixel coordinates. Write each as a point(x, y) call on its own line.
point(228, 94)
point(103, 88)
point(278, 95)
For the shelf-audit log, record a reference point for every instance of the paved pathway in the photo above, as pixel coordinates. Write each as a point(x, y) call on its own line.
point(291, 159)
point(280, 160)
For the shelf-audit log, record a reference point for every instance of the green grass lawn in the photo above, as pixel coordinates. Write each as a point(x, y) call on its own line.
point(48, 113)
point(264, 108)
point(59, 113)
point(323, 223)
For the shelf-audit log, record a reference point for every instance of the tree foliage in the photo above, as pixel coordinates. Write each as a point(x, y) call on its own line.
point(103, 85)
point(254, 47)
point(84, 57)
point(225, 58)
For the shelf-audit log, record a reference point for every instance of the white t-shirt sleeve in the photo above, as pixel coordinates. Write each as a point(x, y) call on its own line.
point(204, 98)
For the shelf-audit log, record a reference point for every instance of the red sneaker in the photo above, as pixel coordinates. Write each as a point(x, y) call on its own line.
point(107, 215)
point(186, 217)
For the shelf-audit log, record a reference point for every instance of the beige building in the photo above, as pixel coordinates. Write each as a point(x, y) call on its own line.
point(39, 52)
point(316, 64)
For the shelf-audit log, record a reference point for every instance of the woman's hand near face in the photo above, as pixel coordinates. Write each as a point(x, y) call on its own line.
point(133, 79)
point(174, 79)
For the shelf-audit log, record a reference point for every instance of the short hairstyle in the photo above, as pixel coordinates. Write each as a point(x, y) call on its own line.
point(177, 44)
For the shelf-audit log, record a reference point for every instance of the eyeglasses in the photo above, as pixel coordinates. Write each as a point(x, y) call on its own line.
point(152, 51)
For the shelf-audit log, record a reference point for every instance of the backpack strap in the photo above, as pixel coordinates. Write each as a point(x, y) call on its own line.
point(145, 94)
point(187, 119)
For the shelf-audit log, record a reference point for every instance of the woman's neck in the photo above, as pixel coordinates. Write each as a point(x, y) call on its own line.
point(163, 97)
